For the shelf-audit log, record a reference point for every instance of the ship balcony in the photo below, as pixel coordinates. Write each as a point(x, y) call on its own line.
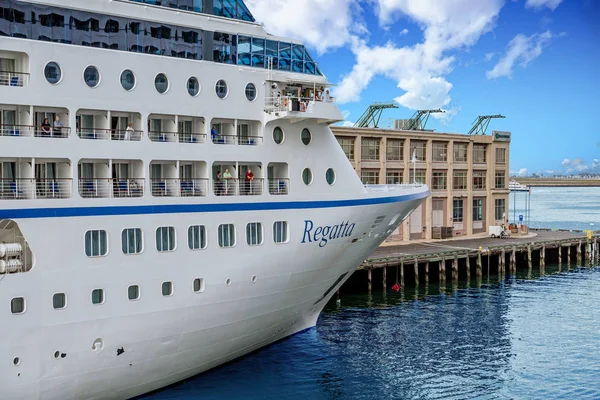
point(236, 132)
point(173, 187)
point(126, 135)
point(238, 187)
point(14, 78)
point(29, 188)
point(35, 131)
point(279, 186)
point(107, 187)
point(177, 137)
point(300, 108)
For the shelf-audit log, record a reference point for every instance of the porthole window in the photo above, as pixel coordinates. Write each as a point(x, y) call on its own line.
point(199, 285)
point(91, 76)
point(17, 305)
point(306, 136)
point(226, 235)
point(278, 135)
point(59, 300)
point(251, 92)
point(161, 83)
point(127, 80)
point(330, 176)
point(307, 176)
point(193, 87)
point(167, 288)
point(133, 292)
point(97, 296)
point(52, 73)
point(221, 89)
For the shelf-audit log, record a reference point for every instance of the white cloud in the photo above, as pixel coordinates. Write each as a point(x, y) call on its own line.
point(579, 164)
point(538, 4)
point(522, 50)
point(595, 163)
point(448, 115)
point(404, 32)
point(488, 56)
point(566, 161)
point(420, 70)
point(323, 25)
point(521, 172)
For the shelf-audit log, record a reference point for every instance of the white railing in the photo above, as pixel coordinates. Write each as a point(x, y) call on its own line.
point(279, 186)
point(250, 140)
point(29, 188)
point(224, 139)
point(293, 104)
point(110, 134)
point(226, 187)
point(177, 137)
point(12, 78)
point(13, 189)
point(104, 188)
point(37, 131)
point(53, 188)
point(391, 188)
point(193, 187)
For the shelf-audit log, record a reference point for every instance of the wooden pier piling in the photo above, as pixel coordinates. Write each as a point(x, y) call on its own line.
point(416, 268)
point(455, 269)
point(468, 267)
point(579, 253)
point(427, 273)
point(513, 261)
point(370, 280)
point(479, 265)
point(442, 272)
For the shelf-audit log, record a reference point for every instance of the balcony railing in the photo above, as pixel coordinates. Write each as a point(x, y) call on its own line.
point(250, 140)
point(174, 187)
point(294, 104)
point(279, 186)
point(193, 187)
point(224, 139)
point(110, 134)
point(60, 188)
point(238, 187)
point(176, 137)
point(13, 189)
point(12, 78)
point(104, 187)
point(37, 131)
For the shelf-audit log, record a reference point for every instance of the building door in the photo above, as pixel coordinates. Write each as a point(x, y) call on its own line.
point(437, 215)
point(416, 223)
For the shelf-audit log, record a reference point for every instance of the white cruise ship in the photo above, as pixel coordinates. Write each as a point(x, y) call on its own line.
point(171, 195)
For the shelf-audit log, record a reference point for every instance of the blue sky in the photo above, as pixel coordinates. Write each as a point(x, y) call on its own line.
point(535, 61)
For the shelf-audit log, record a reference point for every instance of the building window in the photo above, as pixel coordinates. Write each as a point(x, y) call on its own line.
point(347, 144)
point(460, 152)
point(459, 180)
point(131, 241)
point(457, 210)
point(221, 89)
point(439, 180)
point(440, 152)
point(161, 83)
point(250, 92)
point(165, 238)
point(133, 292)
point(500, 209)
point(199, 285)
point(197, 237)
point(226, 235)
point(278, 135)
point(280, 232)
point(394, 150)
point(127, 80)
point(96, 243)
point(477, 209)
point(418, 150)
point(254, 234)
point(305, 136)
point(370, 149)
point(307, 176)
point(393, 177)
point(369, 177)
point(97, 296)
point(17, 305)
point(500, 180)
point(91, 76)
point(479, 153)
point(193, 86)
point(330, 176)
point(59, 300)
point(418, 176)
point(501, 156)
point(167, 288)
point(52, 73)
point(478, 180)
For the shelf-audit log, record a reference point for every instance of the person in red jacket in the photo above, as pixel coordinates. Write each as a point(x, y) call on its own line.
point(249, 179)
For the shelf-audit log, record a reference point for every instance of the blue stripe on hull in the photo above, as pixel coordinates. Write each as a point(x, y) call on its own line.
point(197, 208)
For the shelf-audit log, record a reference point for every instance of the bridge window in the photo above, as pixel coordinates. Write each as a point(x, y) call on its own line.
point(165, 239)
point(96, 243)
point(131, 241)
point(226, 235)
point(280, 232)
point(197, 237)
point(254, 234)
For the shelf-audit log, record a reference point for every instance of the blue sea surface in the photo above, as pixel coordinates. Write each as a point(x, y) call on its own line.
point(524, 337)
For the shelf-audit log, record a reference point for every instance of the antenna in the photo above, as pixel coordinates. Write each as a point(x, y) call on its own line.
point(481, 124)
point(372, 115)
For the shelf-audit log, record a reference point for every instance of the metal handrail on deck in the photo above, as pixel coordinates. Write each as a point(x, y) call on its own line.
point(106, 187)
point(250, 140)
point(17, 188)
point(35, 131)
point(224, 139)
point(13, 78)
point(110, 134)
point(177, 137)
point(279, 186)
point(56, 188)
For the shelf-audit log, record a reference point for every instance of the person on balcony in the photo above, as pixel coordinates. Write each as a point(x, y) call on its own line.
point(46, 128)
point(129, 132)
point(249, 179)
point(227, 177)
point(58, 125)
point(214, 135)
point(327, 97)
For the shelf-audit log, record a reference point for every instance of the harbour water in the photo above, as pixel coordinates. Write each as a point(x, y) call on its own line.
point(521, 337)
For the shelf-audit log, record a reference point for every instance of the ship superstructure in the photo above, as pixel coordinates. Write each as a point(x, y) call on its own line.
point(171, 195)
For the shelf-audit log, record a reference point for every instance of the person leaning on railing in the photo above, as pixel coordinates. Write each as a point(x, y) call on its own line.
point(57, 126)
point(46, 128)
